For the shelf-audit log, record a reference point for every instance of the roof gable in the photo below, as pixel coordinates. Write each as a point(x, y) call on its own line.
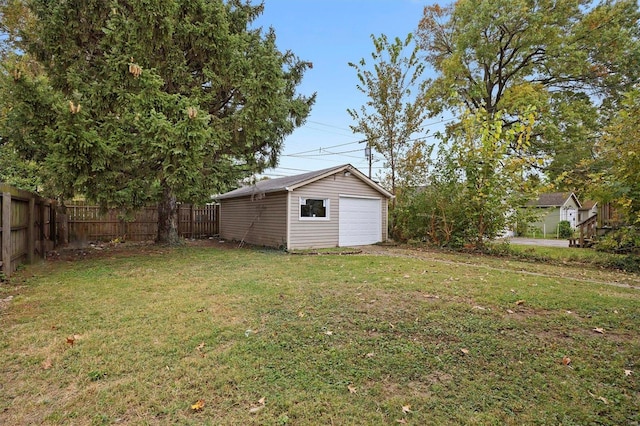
point(554, 199)
point(588, 204)
point(290, 183)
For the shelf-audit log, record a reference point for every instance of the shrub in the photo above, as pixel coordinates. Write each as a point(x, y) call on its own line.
point(628, 263)
point(564, 229)
point(623, 240)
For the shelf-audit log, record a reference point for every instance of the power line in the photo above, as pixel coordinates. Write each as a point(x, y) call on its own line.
point(309, 153)
point(329, 147)
point(288, 168)
point(322, 155)
point(328, 125)
point(328, 131)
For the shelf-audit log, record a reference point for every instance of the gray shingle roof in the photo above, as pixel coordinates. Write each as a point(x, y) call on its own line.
point(553, 199)
point(278, 184)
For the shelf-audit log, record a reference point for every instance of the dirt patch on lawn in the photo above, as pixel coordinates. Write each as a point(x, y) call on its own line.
point(97, 250)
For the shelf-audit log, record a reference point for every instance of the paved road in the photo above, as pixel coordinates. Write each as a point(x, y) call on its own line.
point(538, 242)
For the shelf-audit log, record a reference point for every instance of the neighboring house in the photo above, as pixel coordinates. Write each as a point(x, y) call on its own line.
point(587, 210)
point(556, 207)
point(334, 207)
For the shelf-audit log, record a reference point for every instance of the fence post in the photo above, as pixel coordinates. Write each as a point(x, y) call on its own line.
point(6, 234)
point(31, 235)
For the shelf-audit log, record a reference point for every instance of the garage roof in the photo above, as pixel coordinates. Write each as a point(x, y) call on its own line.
point(289, 183)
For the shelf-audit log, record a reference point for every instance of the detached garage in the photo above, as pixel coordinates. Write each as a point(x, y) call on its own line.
point(335, 207)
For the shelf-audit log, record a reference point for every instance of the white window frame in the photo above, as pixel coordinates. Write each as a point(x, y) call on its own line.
point(325, 201)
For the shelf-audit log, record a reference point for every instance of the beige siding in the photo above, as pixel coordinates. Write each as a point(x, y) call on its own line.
point(318, 233)
point(256, 221)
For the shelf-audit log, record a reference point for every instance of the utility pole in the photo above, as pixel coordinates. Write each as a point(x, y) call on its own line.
point(368, 154)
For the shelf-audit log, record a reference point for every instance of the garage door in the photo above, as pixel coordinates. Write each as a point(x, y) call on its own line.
point(360, 221)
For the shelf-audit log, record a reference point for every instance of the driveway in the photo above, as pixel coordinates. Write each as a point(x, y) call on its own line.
point(538, 242)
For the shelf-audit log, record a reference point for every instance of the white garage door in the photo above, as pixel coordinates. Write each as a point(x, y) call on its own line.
point(360, 221)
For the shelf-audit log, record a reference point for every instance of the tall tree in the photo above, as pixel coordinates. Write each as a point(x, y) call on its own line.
point(395, 108)
point(494, 181)
point(571, 60)
point(154, 101)
point(615, 172)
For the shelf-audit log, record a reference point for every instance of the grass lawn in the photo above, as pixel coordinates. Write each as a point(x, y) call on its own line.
point(267, 338)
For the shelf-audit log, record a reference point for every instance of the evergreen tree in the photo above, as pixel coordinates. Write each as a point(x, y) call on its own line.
point(155, 101)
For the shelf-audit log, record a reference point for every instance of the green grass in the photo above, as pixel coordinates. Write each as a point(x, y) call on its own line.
point(159, 330)
point(623, 262)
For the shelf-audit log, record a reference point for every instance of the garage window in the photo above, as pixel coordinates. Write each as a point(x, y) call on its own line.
point(314, 208)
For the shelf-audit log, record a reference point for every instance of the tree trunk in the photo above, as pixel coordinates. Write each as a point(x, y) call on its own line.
point(62, 224)
point(168, 218)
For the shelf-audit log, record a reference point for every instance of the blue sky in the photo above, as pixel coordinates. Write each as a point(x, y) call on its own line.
point(331, 33)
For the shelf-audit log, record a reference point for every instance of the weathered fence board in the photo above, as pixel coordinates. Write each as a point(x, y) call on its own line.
point(29, 226)
point(25, 227)
point(88, 223)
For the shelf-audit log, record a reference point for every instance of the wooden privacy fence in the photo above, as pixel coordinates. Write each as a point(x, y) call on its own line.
point(27, 227)
point(87, 223)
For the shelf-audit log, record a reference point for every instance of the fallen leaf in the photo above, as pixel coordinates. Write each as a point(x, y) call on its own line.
point(46, 364)
point(198, 406)
point(301, 314)
point(599, 330)
point(407, 276)
point(401, 421)
point(566, 360)
point(370, 355)
point(352, 389)
point(627, 373)
point(520, 302)
point(480, 308)
point(509, 311)
point(464, 351)
point(200, 346)
point(262, 401)
point(406, 409)
point(600, 398)
point(328, 333)
point(71, 340)
point(254, 410)
point(569, 312)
